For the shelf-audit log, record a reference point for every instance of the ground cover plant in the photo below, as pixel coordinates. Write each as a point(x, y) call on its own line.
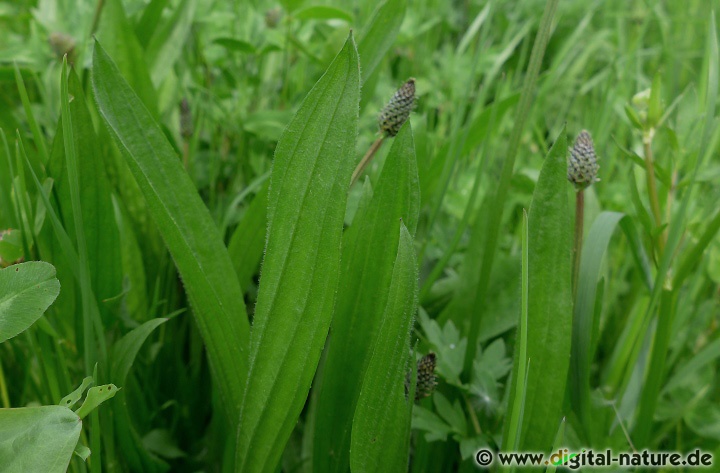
point(356, 236)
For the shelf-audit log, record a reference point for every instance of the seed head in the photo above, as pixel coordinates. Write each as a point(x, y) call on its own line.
point(426, 380)
point(398, 109)
point(582, 165)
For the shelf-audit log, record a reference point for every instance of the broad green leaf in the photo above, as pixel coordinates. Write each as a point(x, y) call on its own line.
point(38, 438)
point(248, 241)
point(368, 254)
point(379, 36)
point(381, 425)
point(322, 12)
point(26, 291)
point(593, 250)
point(308, 190)
point(549, 300)
point(185, 224)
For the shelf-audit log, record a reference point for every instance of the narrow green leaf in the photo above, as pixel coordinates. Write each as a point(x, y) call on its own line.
point(380, 35)
point(381, 425)
point(369, 252)
point(118, 36)
point(248, 241)
point(518, 387)
point(594, 247)
point(26, 291)
point(549, 300)
point(322, 12)
point(185, 224)
point(167, 43)
point(308, 190)
point(38, 137)
point(92, 326)
point(55, 432)
point(148, 23)
point(232, 44)
point(100, 232)
point(126, 349)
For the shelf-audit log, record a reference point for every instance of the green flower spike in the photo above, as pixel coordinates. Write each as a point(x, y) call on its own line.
point(398, 109)
point(582, 165)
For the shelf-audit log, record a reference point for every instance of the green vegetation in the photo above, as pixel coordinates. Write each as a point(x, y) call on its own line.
point(214, 256)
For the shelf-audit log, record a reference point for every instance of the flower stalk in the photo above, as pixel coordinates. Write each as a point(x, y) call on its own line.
point(582, 172)
point(392, 117)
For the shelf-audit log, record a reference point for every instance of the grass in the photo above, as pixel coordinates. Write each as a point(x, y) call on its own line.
point(189, 266)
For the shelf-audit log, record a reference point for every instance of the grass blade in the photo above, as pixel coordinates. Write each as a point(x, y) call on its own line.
point(308, 186)
point(185, 224)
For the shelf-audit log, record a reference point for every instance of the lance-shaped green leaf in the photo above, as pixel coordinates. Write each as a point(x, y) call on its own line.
point(26, 291)
point(549, 301)
point(597, 241)
point(306, 207)
point(38, 438)
point(381, 426)
point(185, 224)
point(101, 235)
point(369, 251)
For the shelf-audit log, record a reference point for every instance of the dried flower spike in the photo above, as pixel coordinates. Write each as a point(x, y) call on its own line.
point(583, 166)
point(398, 109)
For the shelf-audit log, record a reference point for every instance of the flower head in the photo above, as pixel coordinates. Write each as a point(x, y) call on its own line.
point(398, 109)
point(582, 165)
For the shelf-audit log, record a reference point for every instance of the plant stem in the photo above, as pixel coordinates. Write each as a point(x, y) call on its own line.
point(577, 246)
point(652, 186)
point(473, 416)
point(366, 159)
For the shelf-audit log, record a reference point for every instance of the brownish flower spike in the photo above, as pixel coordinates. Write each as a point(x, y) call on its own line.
point(398, 109)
